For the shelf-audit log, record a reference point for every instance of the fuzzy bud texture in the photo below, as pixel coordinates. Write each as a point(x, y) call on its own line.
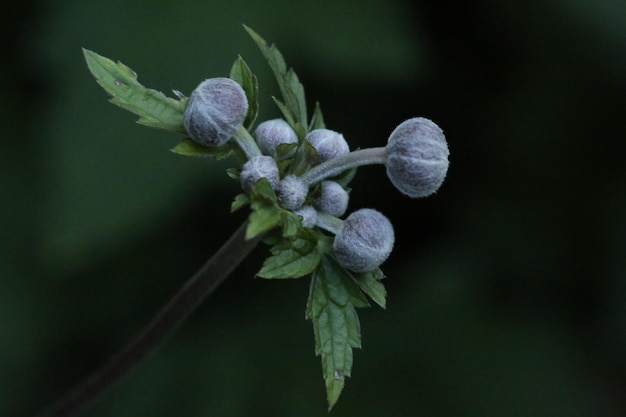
point(256, 168)
point(272, 133)
point(308, 215)
point(364, 241)
point(215, 110)
point(291, 192)
point(417, 157)
point(333, 199)
point(328, 144)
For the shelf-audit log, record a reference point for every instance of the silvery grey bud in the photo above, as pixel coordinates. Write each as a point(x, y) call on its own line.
point(308, 215)
point(333, 199)
point(364, 241)
point(417, 157)
point(256, 168)
point(272, 133)
point(328, 144)
point(291, 192)
point(216, 109)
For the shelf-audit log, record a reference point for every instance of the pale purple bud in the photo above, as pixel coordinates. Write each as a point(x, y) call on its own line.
point(364, 241)
point(328, 144)
point(308, 216)
point(333, 199)
point(216, 109)
point(272, 133)
point(291, 192)
point(256, 168)
point(417, 157)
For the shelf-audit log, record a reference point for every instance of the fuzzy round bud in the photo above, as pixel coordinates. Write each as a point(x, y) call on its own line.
point(417, 157)
point(291, 192)
point(256, 168)
point(328, 144)
point(308, 215)
point(333, 199)
point(364, 241)
point(216, 109)
point(272, 133)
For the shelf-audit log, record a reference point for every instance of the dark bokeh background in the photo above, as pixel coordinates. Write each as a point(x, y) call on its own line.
point(507, 289)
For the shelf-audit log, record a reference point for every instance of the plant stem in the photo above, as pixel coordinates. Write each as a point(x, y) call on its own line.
point(329, 223)
point(203, 283)
point(246, 143)
point(339, 164)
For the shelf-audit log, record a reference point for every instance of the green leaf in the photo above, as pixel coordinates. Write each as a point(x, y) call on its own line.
point(241, 73)
point(294, 259)
point(153, 107)
point(240, 201)
point(265, 211)
point(370, 284)
point(333, 296)
point(287, 114)
point(317, 121)
point(303, 157)
point(290, 86)
point(291, 224)
point(188, 147)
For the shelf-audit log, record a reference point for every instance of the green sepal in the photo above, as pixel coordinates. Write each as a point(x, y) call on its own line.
point(288, 83)
point(284, 150)
point(265, 211)
point(241, 73)
point(188, 147)
point(295, 258)
point(370, 284)
point(154, 108)
point(303, 157)
point(333, 297)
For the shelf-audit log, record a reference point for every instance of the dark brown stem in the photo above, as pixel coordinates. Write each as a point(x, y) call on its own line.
point(203, 283)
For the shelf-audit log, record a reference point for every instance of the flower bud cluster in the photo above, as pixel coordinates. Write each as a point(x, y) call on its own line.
point(416, 160)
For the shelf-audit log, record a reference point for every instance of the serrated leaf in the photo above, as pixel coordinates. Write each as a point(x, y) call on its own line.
point(290, 86)
point(292, 224)
point(241, 73)
point(370, 284)
point(154, 108)
point(286, 112)
point(265, 211)
point(240, 201)
point(188, 147)
point(333, 296)
point(294, 259)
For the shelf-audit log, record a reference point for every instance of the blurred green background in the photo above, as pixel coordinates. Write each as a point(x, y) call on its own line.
point(507, 289)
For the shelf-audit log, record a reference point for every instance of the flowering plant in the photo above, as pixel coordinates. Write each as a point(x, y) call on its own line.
point(294, 175)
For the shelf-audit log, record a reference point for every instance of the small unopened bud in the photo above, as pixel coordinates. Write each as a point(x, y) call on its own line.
point(272, 133)
point(328, 144)
point(364, 240)
point(291, 192)
point(215, 111)
point(308, 215)
point(333, 199)
point(417, 157)
point(256, 168)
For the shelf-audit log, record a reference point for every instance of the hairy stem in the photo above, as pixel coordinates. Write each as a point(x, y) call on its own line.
point(339, 164)
point(203, 283)
point(329, 223)
point(246, 143)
